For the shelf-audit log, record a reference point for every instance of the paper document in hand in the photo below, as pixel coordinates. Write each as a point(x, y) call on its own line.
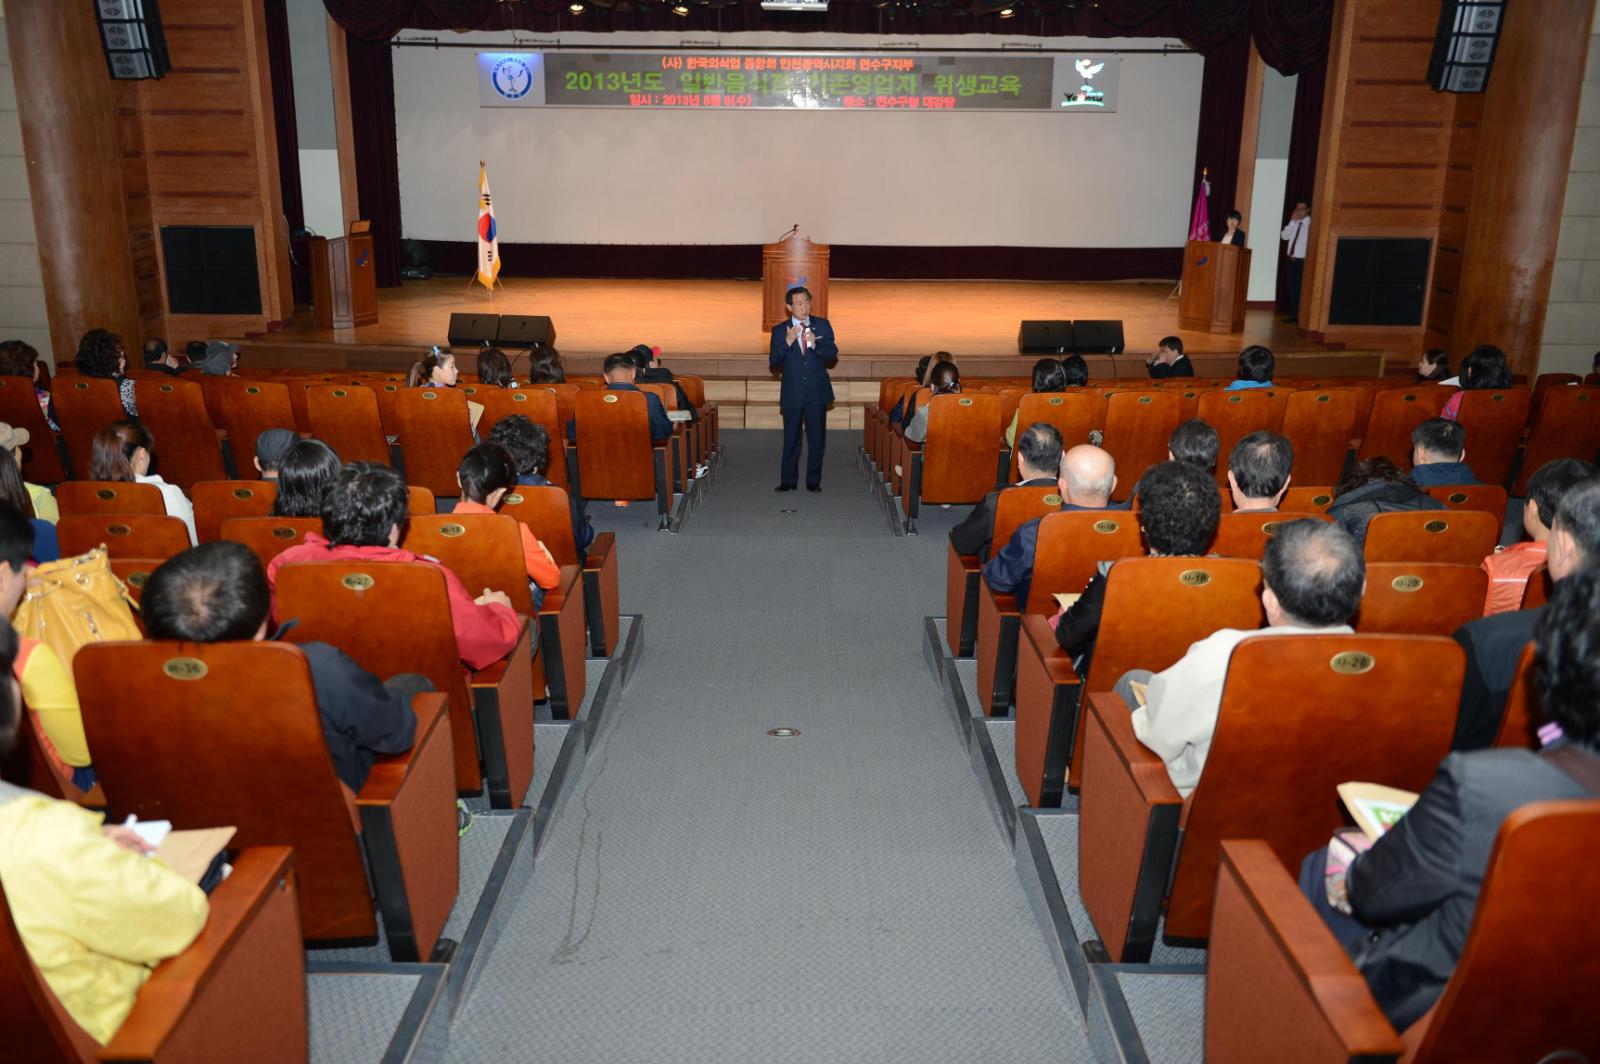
point(679, 415)
point(1140, 692)
point(1376, 808)
point(189, 853)
point(1067, 600)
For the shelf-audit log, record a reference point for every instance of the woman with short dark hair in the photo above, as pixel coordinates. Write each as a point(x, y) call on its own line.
point(305, 472)
point(1485, 367)
point(124, 451)
point(100, 354)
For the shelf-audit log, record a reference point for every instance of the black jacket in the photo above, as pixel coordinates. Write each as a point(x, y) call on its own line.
point(582, 530)
point(360, 717)
point(663, 375)
point(1493, 645)
point(1079, 627)
point(1181, 367)
point(1357, 507)
point(974, 533)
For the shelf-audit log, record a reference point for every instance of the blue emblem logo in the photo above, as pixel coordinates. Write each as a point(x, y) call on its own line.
point(512, 77)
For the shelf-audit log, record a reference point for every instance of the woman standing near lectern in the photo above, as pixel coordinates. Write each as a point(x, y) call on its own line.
point(1233, 234)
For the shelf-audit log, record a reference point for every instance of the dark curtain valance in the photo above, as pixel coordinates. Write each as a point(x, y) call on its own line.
point(1290, 34)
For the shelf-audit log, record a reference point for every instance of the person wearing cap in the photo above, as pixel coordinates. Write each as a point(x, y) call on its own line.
point(271, 446)
point(651, 371)
point(44, 503)
point(221, 358)
point(158, 358)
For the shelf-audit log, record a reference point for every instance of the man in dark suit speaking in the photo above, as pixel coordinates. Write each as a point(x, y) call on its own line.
point(802, 348)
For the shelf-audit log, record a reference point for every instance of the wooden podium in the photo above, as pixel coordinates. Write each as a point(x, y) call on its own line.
point(794, 260)
point(1215, 280)
point(344, 285)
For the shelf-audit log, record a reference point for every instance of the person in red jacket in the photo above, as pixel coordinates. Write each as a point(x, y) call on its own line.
point(485, 475)
point(363, 513)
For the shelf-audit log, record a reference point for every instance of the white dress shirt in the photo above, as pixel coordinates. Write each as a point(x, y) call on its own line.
point(178, 504)
point(1295, 234)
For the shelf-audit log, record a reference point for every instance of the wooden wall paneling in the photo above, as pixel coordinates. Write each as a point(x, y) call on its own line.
point(272, 238)
point(1244, 189)
point(1447, 255)
point(343, 124)
point(141, 228)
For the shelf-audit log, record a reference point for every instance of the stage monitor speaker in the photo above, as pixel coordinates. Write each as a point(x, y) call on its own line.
point(1044, 337)
point(1464, 45)
point(1379, 280)
point(211, 269)
point(1099, 337)
point(473, 330)
point(130, 34)
point(525, 330)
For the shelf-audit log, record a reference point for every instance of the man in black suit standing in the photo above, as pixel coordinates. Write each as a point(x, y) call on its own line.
point(802, 348)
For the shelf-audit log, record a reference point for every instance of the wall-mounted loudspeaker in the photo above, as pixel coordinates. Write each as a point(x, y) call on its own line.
point(1464, 46)
point(130, 33)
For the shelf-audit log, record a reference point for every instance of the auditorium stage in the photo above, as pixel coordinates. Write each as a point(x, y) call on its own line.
point(713, 328)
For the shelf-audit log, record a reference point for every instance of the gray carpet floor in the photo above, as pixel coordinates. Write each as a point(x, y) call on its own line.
point(709, 893)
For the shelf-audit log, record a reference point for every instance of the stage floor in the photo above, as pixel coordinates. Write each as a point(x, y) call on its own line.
point(723, 318)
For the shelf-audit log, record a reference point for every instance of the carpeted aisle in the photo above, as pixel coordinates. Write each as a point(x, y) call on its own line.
point(712, 894)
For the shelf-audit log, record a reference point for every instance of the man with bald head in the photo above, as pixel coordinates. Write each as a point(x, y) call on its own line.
point(1088, 477)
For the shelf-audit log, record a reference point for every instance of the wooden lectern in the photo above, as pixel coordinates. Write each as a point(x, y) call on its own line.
point(344, 285)
point(794, 260)
point(1215, 280)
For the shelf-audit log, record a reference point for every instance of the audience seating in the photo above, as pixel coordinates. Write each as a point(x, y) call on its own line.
point(962, 458)
point(1138, 425)
point(28, 766)
point(188, 448)
point(297, 387)
point(1542, 387)
point(1245, 535)
point(268, 537)
point(1010, 402)
point(435, 432)
point(1395, 412)
point(1537, 591)
point(1234, 415)
point(617, 459)
point(1015, 506)
point(1071, 414)
point(217, 500)
point(1300, 715)
point(1420, 598)
point(1310, 500)
point(1523, 715)
point(387, 393)
point(124, 535)
point(346, 418)
point(1464, 537)
point(244, 409)
point(1319, 425)
point(1494, 419)
point(695, 388)
point(177, 730)
point(1566, 425)
point(242, 982)
point(19, 408)
point(1154, 609)
point(545, 510)
point(538, 404)
point(1280, 987)
point(84, 406)
point(1489, 498)
point(108, 497)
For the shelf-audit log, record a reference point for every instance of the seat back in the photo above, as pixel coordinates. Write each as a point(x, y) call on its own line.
point(535, 402)
point(566, 402)
point(1498, 1006)
point(1309, 500)
point(187, 447)
point(180, 732)
point(663, 391)
point(1537, 591)
point(1320, 425)
point(268, 537)
point(346, 418)
point(1489, 498)
point(1464, 537)
point(434, 433)
point(1071, 545)
point(84, 406)
point(124, 535)
point(484, 550)
point(1300, 715)
point(1072, 414)
point(546, 511)
point(960, 457)
point(1138, 425)
point(19, 408)
point(1494, 419)
point(1566, 426)
point(244, 409)
point(1524, 713)
point(1016, 506)
point(38, 1028)
point(1245, 535)
point(616, 457)
point(1234, 415)
point(1395, 412)
point(217, 500)
point(108, 497)
point(694, 388)
point(1543, 385)
point(387, 393)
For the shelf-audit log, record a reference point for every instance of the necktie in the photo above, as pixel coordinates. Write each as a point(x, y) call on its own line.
point(803, 327)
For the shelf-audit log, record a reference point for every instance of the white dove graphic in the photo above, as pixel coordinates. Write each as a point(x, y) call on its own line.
point(1088, 70)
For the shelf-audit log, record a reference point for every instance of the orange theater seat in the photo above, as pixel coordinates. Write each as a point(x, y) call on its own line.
point(244, 409)
point(217, 500)
point(19, 408)
point(188, 448)
point(108, 497)
point(124, 535)
point(1464, 537)
point(546, 511)
point(1421, 598)
point(1395, 412)
point(1138, 425)
point(346, 418)
point(1245, 535)
point(268, 537)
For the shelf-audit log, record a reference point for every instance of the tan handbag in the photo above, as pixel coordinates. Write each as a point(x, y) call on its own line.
point(76, 601)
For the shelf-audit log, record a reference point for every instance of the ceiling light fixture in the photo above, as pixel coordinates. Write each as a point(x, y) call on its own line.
point(1005, 12)
point(575, 8)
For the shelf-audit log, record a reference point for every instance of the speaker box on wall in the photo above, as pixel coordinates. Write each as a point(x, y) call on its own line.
point(473, 330)
point(1044, 337)
point(130, 34)
point(1379, 280)
point(525, 330)
point(1098, 337)
point(211, 269)
point(1464, 45)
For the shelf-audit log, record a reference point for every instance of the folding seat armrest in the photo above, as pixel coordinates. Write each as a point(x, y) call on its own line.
point(390, 771)
point(1127, 830)
point(502, 701)
point(604, 545)
point(244, 973)
point(1279, 986)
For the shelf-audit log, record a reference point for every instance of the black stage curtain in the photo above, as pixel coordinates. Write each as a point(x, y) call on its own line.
point(1221, 124)
point(377, 156)
point(283, 112)
point(1304, 138)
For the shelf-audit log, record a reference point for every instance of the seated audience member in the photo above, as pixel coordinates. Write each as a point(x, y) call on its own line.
point(1178, 513)
point(1439, 453)
point(648, 367)
point(95, 914)
point(1374, 486)
point(1088, 477)
point(1258, 471)
point(485, 475)
point(1313, 576)
point(897, 414)
point(43, 546)
point(1039, 459)
point(100, 355)
point(1048, 376)
point(438, 370)
point(222, 358)
point(217, 593)
point(620, 372)
point(1510, 567)
point(544, 365)
point(494, 369)
point(47, 686)
point(1076, 371)
point(124, 451)
point(271, 446)
point(1412, 894)
point(1194, 443)
point(194, 352)
point(924, 380)
point(1256, 365)
point(1493, 644)
point(529, 447)
point(43, 502)
point(363, 513)
point(945, 379)
point(1169, 360)
point(160, 360)
point(1485, 367)
point(1434, 365)
point(19, 359)
point(307, 469)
